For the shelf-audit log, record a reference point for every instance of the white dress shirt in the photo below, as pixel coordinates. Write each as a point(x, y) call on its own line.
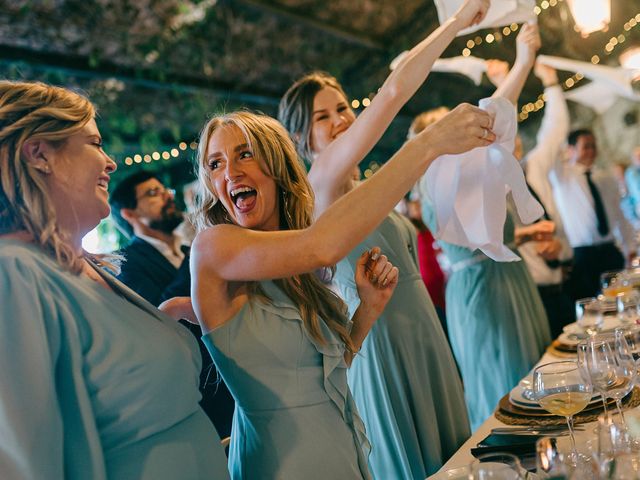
point(570, 193)
point(175, 255)
point(549, 142)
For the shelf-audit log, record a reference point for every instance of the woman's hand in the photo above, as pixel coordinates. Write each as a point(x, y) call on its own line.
point(472, 12)
point(179, 308)
point(376, 279)
point(547, 75)
point(527, 44)
point(462, 129)
point(549, 249)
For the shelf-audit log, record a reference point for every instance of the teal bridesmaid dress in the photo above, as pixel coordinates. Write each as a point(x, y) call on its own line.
point(295, 417)
point(95, 384)
point(404, 380)
point(497, 324)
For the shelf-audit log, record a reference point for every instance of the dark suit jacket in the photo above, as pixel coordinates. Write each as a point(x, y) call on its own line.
point(147, 272)
point(151, 275)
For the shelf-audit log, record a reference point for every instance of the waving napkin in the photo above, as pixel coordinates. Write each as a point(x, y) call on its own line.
point(469, 191)
point(501, 13)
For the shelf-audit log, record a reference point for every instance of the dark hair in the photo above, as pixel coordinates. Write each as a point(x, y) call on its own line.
point(295, 111)
point(572, 139)
point(124, 196)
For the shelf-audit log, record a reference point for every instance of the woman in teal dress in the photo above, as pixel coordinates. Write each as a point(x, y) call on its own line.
point(95, 382)
point(280, 338)
point(497, 324)
point(406, 383)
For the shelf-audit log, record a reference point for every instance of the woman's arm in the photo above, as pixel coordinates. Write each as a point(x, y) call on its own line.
point(376, 279)
point(527, 44)
point(331, 169)
point(231, 253)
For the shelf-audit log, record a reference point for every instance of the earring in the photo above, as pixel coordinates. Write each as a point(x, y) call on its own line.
point(46, 169)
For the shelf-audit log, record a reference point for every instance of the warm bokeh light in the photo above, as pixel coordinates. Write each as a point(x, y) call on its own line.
point(590, 15)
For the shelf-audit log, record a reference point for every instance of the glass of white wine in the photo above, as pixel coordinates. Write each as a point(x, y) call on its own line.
point(560, 389)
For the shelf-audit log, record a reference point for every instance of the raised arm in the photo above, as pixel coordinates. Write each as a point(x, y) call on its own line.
point(331, 168)
point(231, 253)
point(553, 131)
point(527, 44)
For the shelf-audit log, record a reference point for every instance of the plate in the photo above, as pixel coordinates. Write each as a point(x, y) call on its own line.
point(460, 473)
point(522, 396)
point(573, 334)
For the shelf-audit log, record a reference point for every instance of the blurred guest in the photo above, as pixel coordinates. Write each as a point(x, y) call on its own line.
point(156, 267)
point(587, 201)
point(545, 258)
point(101, 384)
point(157, 263)
point(632, 183)
point(497, 323)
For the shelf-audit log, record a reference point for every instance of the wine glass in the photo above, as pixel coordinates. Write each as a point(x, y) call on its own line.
point(560, 389)
point(610, 366)
point(615, 282)
point(628, 306)
point(589, 315)
point(584, 350)
point(497, 466)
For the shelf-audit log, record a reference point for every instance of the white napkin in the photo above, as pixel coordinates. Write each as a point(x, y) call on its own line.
point(469, 191)
point(597, 95)
point(618, 79)
point(472, 67)
point(501, 13)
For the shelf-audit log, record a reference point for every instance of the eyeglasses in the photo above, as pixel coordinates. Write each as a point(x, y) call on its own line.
point(157, 192)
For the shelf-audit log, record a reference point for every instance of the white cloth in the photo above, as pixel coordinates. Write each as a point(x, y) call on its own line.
point(549, 144)
point(175, 256)
point(472, 67)
point(597, 95)
point(501, 13)
point(469, 191)
point(618, 79)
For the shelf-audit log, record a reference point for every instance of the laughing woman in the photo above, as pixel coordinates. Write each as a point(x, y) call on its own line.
point(279, 337)
point(406, 384)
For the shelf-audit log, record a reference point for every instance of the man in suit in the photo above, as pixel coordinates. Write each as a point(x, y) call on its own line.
point(156, 267)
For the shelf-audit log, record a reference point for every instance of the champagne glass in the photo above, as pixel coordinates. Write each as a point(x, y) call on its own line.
point(589, 315)
point(561, 389)
point(615, 282)
point(628, 306)
point(584, 350)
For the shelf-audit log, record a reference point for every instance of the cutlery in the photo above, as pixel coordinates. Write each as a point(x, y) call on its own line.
point(529, 429)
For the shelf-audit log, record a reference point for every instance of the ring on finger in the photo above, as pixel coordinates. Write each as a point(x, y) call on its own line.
point(485, 133)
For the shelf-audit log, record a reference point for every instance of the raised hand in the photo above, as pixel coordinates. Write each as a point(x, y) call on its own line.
point(462, 129)
point(472, 12)
point(376, 279)
point(547, 75)
point(527, 44)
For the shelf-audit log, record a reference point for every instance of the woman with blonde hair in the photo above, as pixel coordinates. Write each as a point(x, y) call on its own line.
point(406, 384)
point(96, 383)
point(280, 338)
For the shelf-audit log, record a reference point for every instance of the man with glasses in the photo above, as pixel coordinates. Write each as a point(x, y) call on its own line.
point(156, 266)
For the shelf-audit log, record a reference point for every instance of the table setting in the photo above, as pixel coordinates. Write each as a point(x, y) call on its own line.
point(575, 415)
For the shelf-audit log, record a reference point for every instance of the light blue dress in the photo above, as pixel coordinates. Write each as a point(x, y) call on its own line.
point(95, 384)
point(497, 324)
point(295, 417)
point(404, 380)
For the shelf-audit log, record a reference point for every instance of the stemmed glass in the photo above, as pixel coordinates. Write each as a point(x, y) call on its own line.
point(589, 315)
point(609, 365)
point(497, 466)
point(628, 306)
point(560, 389)
point(615, 282)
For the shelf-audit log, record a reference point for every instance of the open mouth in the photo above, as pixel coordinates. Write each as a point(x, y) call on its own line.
point(244, 198)
point(103, 183)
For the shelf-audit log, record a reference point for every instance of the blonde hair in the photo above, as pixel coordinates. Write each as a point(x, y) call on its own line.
point(274, 150)
point(425, 119)
point(36, 111)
